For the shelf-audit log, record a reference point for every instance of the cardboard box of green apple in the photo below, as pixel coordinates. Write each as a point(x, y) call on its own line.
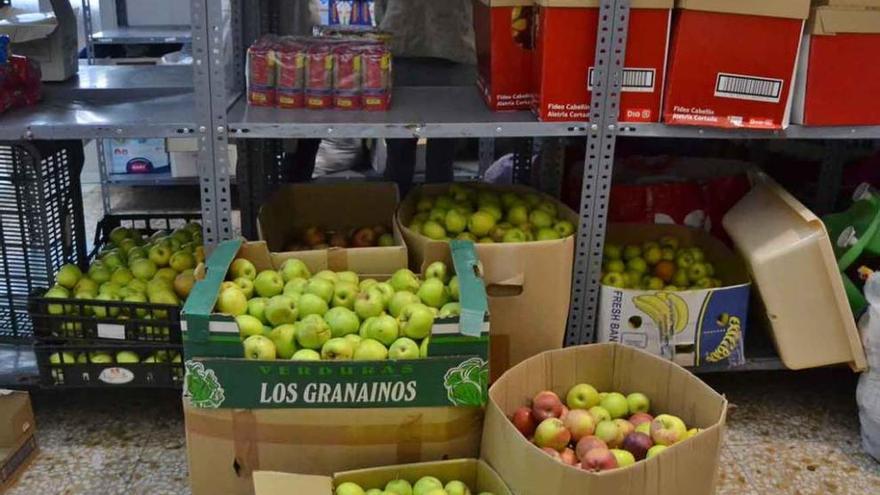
point(675, 292)
point(313, 338)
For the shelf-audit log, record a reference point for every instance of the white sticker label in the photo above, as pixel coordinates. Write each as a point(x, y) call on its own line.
point(116, 376)
point(635, 80)
point(752, 88)
point(111, 331)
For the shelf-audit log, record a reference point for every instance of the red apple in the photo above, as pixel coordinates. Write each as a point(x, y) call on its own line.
point(522, 420)
point(637, 444)
point(552, 433)
point(378, 230)
point(580, 423)
point(640, 417)
point(338, 240)
point(314, 236)
point(587, 444)
point(546, 405)
point(364, 237)
point(599, 459)
point(568, 456)
point(553, 453)
point(564, 413)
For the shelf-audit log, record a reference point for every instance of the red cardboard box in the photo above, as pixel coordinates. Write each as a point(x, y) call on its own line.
point(505, 46)
point(839, 71)
point(565, 52)
point(732, 62)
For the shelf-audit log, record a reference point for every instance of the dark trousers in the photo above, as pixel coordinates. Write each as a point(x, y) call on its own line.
point(401, 164)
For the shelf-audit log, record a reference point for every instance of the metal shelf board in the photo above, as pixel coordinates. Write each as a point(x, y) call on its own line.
point(142, 35)
point(109, 102)
point(417, 111)
point(767, 363)
point(163, 179)
point(792, 132)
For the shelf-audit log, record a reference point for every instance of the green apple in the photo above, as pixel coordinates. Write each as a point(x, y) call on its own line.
point(365, 325)
point(624, 458)
point(160, 254)
point(312, 332)
point(564, 228)
point(450, 310)
point(68, 276)
point(113, 259)
point(481, 223)
point(656, 449)
point(241, 267)
point(127, 357)
point(370, 350)
point(121, 276)
point(310, 304)
point(268, 283)
point(248, 325)
point(232, 301)
point(342, 321)
point(437, 215)
point(416, 321)
point(354, 339)
point(137, 297)
point(85, 284)
point(166, 273)
point(367, 283)
point(328, 275)
point(599, 414)
point(433, 230)
point(64, 357)
point(400, 300)
point(404, 348)
point(182, 260)
point(344, 295)
point(143, 269)
point(423, 347)
point(293, 269)
point(514, 235)
point(105, 311)
point(466, 236)
point(546, 234)
point(284, 338)
point(349, 488)
point(424, 204)
point(582, 396)
point(246, 285)
point(369, 303)
point(118, 234)
point(259, 348)
point(387, 292)
point(493, 210)
point(109, 288)
point(426, 484)
point(306, 355)
point(518, 215)
point(454, 289)
point(321, 287)
point(644, 428)
point(437, 270)
point(540, 219)
point(281, 309)
point(616, 405)
point(384, 328)
point(399, 487)
point(433, 293)
point(385, 240)
point(348, 277)
point(456, 487)
point(337, 349)
point(455, 221)
point(99, 272)
point(295, 287)
point(99, 357)
point(404, 280)
point(638, 402)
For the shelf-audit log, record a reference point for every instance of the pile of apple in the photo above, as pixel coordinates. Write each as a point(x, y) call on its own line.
point(426, 485)
point(121, 357)
point(598, 431)
point(291, 314)
point(484, 215)
point(657, 265)
point(318, 238)
point(133, 268)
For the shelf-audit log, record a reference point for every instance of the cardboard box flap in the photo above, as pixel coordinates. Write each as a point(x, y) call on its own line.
point(16, 417)
point(275, 483)
point(791, 9)
point(831, 20)
point(200, 303)
point(28, 27)
point(635, 4)
point(474, 304)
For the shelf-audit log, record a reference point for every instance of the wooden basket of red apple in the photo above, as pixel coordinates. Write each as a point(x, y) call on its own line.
point(602, 419)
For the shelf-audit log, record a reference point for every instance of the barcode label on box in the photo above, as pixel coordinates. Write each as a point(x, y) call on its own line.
point(635, 80)
point(748, 88)
point(111, 331)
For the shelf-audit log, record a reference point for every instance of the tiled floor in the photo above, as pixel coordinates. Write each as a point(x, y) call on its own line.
point(789, 433)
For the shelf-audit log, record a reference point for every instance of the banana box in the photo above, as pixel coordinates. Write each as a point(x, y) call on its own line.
point(675, 292)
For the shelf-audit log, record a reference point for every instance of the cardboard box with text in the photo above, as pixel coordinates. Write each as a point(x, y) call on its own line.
point(505, 46)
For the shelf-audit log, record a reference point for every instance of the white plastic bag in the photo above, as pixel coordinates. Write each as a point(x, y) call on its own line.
point(868, 391)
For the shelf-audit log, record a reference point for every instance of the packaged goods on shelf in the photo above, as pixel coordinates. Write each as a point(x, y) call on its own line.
point(349, 73)
point(838, 81)
point(688, 465)
point(565, 48)
point(520, 275)
point(685, 297)
point(732, 63)
point(18, 440)
point(474, 474)
point(505, 47)
point(19, 79)
point(139, 156)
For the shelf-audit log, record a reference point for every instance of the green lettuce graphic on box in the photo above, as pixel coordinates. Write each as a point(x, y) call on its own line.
point(467, 384)
point(201, 386)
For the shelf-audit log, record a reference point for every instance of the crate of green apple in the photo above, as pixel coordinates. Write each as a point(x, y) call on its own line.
point(112, 365)
point(598, 431)
point(426, 485)
point(661, 264)
point(132, 289)
point(390, 340)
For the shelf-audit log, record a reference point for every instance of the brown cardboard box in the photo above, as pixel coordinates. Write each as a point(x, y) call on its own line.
point(342, 207)
point(689, 467)
point(476, 474)
point(529, 283)
point(226, 446)
point(18, 445)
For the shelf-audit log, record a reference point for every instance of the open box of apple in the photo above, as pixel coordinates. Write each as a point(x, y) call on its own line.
point(676, 292)
point(294, 351)
point(603, 418)
point(453, 477)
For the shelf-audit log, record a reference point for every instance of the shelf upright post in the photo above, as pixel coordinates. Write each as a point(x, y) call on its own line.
point(89, 28)
point(211, 103)
point(599, 162)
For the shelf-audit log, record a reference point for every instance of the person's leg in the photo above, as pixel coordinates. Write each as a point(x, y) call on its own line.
point(439, 160)
point(300, 164)
point(401, 163)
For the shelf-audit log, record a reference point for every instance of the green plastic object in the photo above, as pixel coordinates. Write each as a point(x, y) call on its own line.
point(855, 234)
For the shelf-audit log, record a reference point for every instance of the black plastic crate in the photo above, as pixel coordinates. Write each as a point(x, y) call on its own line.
point(103, 371)
point(41, 224)
point(58, 320)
